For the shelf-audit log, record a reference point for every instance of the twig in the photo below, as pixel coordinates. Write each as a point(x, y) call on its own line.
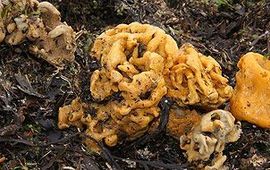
point(257, 39)
point(105, 153)
point(22, 141)
point(61, 140)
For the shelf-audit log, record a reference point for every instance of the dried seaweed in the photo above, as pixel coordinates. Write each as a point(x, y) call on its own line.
point(224, 32)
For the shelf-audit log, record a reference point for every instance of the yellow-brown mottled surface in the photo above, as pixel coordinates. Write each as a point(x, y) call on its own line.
point(250, 101)
point(140, 62)
point(40, 24)
point(196, 79)
point(181, 121)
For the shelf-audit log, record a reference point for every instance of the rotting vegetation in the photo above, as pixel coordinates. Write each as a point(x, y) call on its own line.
point(137, 59)
point(228, 40)
point(40, 24)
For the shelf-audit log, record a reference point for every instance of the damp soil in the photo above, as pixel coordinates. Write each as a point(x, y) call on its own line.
point(31, 90)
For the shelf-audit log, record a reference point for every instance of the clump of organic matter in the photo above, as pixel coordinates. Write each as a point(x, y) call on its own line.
point(196, 79)
point(250, 101)
point(139, 62)
point(40, 24)
point(215, 129)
